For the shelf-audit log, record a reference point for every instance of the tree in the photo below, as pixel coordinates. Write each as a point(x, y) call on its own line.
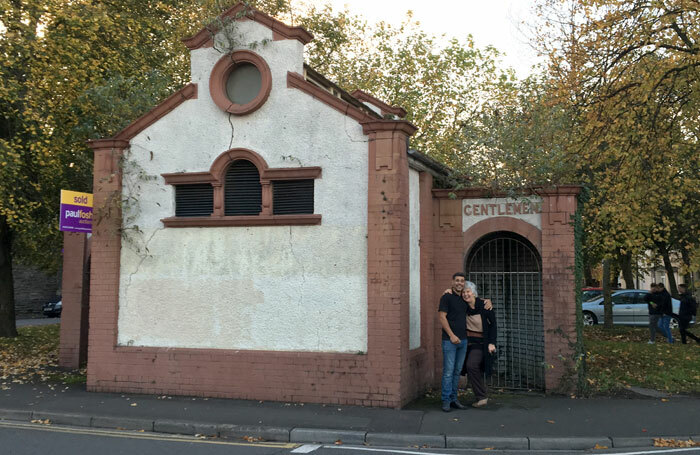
point(440, 84)
point(630, 71)
point(54, 56)
point(81, 69)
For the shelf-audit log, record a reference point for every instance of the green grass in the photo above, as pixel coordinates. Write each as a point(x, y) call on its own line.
point(33, 357)
point(621, 357)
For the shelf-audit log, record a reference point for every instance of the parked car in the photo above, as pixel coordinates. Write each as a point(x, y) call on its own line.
point(629, 308)
point(590, 293)
point(53, 309)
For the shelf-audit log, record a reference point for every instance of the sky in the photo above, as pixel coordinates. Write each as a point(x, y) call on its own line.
point(490, 22)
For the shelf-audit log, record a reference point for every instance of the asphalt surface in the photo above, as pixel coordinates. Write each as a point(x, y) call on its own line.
point(513, 422)
point(37, 321)
point(33, 438)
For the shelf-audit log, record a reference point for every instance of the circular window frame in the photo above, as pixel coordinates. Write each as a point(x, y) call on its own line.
point(222, 70)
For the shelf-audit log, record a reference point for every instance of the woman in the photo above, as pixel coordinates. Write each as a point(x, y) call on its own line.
point(481, 343)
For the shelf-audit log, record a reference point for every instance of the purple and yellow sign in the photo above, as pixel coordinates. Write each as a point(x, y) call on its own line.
point(76, 211)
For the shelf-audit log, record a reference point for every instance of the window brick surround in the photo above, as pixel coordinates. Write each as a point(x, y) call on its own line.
point(216, 177)
point(220, 73)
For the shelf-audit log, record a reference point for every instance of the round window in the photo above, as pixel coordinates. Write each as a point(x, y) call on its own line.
point(240, 82)
point(244, 83)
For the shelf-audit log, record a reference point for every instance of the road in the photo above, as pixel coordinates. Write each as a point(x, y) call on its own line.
point(37, 321)
point(29, 439)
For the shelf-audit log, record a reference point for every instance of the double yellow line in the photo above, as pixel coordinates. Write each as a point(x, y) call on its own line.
point(136, 435)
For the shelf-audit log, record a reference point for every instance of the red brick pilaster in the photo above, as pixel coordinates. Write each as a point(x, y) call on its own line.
point(422, 361)
point(559, 304)
point(388, 258)
point(74, 327)
point(106, 248)
point(448, 258)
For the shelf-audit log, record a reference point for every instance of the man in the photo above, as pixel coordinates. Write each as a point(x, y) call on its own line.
point(452, 314)
point(653, 302)
point(689, 307)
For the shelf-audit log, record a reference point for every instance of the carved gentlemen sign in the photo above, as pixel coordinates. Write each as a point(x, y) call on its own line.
point(528, 209)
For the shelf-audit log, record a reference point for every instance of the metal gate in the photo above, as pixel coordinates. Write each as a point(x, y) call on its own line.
point(507, 269)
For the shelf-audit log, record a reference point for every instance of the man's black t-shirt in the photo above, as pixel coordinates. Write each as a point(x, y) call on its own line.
point(456, 309)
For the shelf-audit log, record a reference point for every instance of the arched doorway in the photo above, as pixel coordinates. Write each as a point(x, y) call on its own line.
point(507, 268)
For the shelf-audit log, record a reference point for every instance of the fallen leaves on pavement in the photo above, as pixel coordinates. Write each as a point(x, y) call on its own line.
point(662, 442)
point(32, 356)
point(43, 422)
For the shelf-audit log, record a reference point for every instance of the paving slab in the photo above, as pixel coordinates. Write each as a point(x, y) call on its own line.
point(639, 441)
point(474, 442)
point(568, 443)
point(254, 431)
point(124, 423)
point(405, 439)
point(15, 414)
point(326, 436)
point(80, 420)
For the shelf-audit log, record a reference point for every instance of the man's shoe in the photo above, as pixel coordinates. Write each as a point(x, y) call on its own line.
point(481, 403)
point(457, 405)
point(446, 406)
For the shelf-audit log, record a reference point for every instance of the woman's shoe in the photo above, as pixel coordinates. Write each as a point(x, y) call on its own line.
point(481, 403)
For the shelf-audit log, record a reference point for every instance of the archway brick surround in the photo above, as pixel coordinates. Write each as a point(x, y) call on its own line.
point(554, 242)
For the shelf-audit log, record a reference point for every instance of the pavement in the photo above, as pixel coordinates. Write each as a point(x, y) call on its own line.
point(527, 421)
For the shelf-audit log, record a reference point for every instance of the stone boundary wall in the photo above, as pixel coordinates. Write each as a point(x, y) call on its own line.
point(34, 288)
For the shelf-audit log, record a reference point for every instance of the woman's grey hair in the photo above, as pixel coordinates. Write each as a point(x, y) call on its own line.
point(471, 286)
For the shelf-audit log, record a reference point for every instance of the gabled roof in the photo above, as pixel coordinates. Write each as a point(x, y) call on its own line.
point(241, 12)
point(384, 107)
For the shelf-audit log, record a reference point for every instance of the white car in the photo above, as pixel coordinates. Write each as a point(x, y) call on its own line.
point(629, 308)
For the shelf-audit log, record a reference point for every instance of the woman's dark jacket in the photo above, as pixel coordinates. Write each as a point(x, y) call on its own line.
point(689, 306)
point(488, 321)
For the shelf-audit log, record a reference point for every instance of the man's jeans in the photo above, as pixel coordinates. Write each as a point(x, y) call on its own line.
point(654, 322)
point(452, 361)
point(664, 325)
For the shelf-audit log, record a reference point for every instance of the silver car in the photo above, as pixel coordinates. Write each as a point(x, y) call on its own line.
point(629, 308)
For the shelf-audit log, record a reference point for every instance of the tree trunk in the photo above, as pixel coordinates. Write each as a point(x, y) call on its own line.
point(626, 263)
point(687, 276)
point(7, 287)
point(614, 274)
point(588, 275)
point(669, 272)
point(607, 298)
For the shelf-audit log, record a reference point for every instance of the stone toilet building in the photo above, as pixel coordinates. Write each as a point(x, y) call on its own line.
point(282, 242)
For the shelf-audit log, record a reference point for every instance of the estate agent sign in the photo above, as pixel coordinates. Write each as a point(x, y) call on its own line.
point(76, 211)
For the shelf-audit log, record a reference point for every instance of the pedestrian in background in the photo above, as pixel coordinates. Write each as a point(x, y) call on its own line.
point(654, 305)
point(689, 308)
point(666, 308)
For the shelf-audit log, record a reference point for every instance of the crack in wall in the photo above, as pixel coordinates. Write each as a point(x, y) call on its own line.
point(143, 257)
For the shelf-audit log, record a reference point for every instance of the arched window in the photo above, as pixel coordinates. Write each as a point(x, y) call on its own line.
point(242, 189)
